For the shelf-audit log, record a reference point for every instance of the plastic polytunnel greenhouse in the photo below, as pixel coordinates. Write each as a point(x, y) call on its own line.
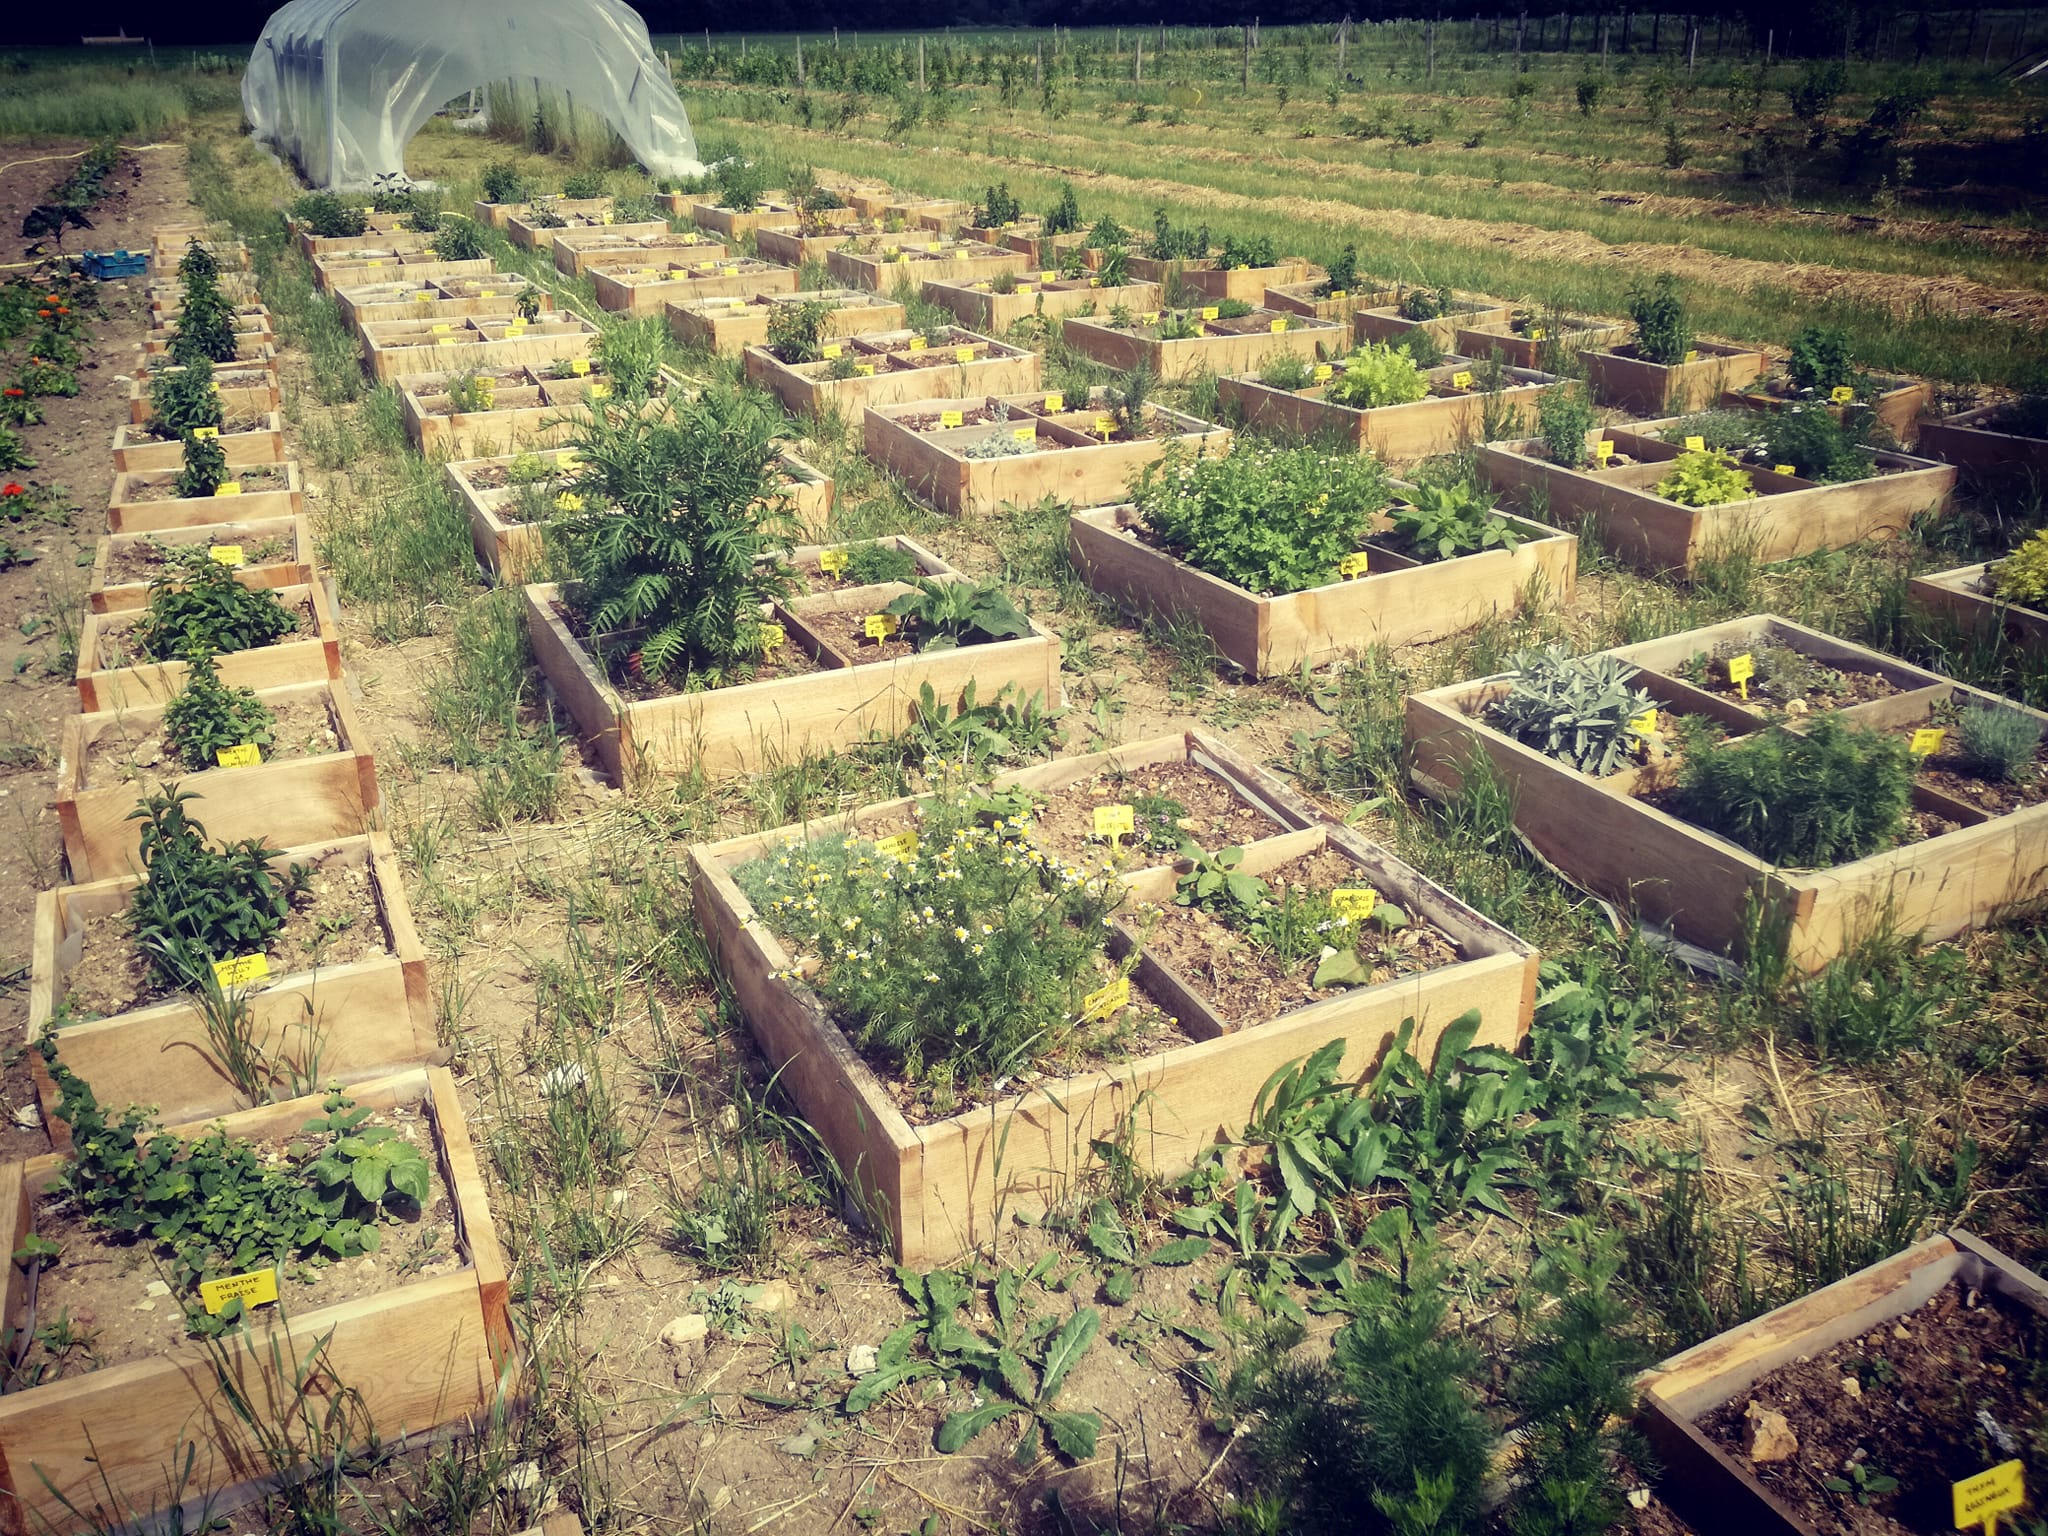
point(339, 87)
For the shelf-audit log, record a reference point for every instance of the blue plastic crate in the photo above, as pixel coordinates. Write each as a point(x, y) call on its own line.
point(102, 265)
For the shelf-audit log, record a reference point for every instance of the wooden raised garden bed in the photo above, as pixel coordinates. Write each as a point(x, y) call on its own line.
point(1452, 415)
point(1897, 403)
point(895, 366)
point(980, 306)
point(931, 214)
point(939, 261)
point(1978, 444)
point(1629, 383)
point(729, 326)
point(1787, 517)
point(273, 552)
point(256, 439)
point(731, 224)
point(1244, 345)
point(432, 1350)
point(332, 272)
point(393, 349)
point(1972, 863)
point(939, 1188)
point(1930, 1339)
point(645, 291)
point(308, 654)
point(1387, 323)
point(1527, 343)
point(794, 246)
point(831, 699)
point(146, 500)
point(1959, 597)
point(613, 251)
point(243, 390)
point(1247, 284)
point(527, 410)
point(430, 303)
point(251, 326)
point(1068, 458)
point(1398, 601)
point(500, 215)
point(567, 242)
point(380, 230)
point(528, 231)
point(1340, 306)
point(317, 781)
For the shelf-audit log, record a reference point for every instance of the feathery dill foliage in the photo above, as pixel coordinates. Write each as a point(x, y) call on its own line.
point(667, 549)
point(1829, 795)
point(959, 964)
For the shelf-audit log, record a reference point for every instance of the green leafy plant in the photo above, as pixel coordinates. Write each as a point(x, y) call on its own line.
point(1420, 347)
point(1010, 727)
point(943, 615)
point(1255, 251)
point(1214, 883)
point(1269, 520)
point(1663, 326)
point(583, 186)
point(2022, 576)
point(207, 716)
point(370, 1164)
point(997, 207)
point(502, 183)
point(1115, 268)
point(1232, 309)
point(326, 216)
point(1107, 234)
point(1289, 373)
point(1064, 217)
point(1129, 398)
point(1564, 417)
point(1820, 359)
point(528, 303)
point(870, 562)
point(1825, 796)
point(2000, 743)
point(1816, 444)
point(1177, 325)
point(1073, 1432)
point(1704, 478)
point(459, 239)
point(1420, 304)
point(1376, 375)
point(1442, 522)
point(183, 398)
point(206, 319)
point(1576, 709)
point(741, 184)
point(669, 549)
point(197, 607)
point(796, 331)
point(197, 904)
point(1177, 244)
point(1341, 276)
point(629, 351)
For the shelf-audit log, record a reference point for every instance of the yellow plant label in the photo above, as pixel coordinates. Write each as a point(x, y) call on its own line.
point(206, 431)
point(1055, 402)
point(1323, 371)
point(1980, 1500)
point(1692, 357)
point(599, 391)
point(1695, 445)
point(568, 501)
point(728, 271)
point(1841, 394)
point(949, 418)
point(1462, 379)
point(444, 341)
point(605, 217)
point(1353, 566)
point(918, 344)
point(1150, 317)
point(880, 626)
point(1277, 327)
point(963, 354)
point(566, 459)
point(1114, 821)
point(227, 554)
point(241, 970)
point(1340, 293)
point(1104, 1001)
point(830, 351)
point(373, 262)
point(1357, 902)
point(516, 328)
point(579, 366)
point(1785, 469)
point(1740, 670)
point(255, 1289)
point(247, 755)
point(1025, 434)
point(864, 370)
point(772, 636)
point(1047, 277)
point(228, 488)
point(1603, 451)
point(1537, 334)
point(1104, 425)
point(832, 561)
point(430, 251)
point(1211, 312)
point(424, 296)
point(1644, 724)
point(1927, 741)
point(442, 329)
point(902, 846)
point(487, 293)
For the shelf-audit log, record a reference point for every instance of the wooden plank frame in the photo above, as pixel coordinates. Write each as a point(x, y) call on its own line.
point(301, 657)
point(1787, 517)
point(429, 1353)
point(691, 245)
point(288, 801)
point(1301, 299)
point(1898, 404)
point(728, 326)
point(127, 514)
point(746, 727)
point(1081, 470)
point(977, 306)
point(1958, 596)
point(729, 224)
point(332, 272)
point(377, 302)
point(1397, 602)
point(500, 215)
point(1573, 335)
point(936, 1189)
point(397, 349)
point(1620, 379)
point(1386, 323)
point(1714, 1492)
point(295, 569)
point(1973, 442)
point(627, 291)
point(1699, 884)
point(567, 242)
point(526, 230)
point(1218, 352)
point(244, 390)
point(805, 390)
point(946, 261)
point(341, 1021)
point(258, 445)
point(1246, 284)
point(1449, 417)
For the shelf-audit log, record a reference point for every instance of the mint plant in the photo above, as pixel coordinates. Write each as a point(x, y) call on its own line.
point(1564, 417)
point(197, 607)
point(583, 186)
point(208, 716)
point(1442, 522)
point(181, 399)
point(1341, 276)
point(1255, 251)
point(1663, 326)
point(502, 183)
point(203, 468)
point(796, 331)
point(326, 216)
point(1704, 478)
point(458, 239)
point(197, 904)
point(1579, 710)
point(1420, 304)
point(1820, 360)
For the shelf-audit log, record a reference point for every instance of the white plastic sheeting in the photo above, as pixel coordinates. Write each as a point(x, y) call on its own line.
point(339, 87)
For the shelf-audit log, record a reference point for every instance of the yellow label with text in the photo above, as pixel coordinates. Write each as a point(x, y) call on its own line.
point(1841, 394)
point(1927, 741)
point(1695, 445)
point(445, 341)
point(1323, 371)
point(1741, 668)
point(1055, 402)
point(373, 262)
point(228, 488)
point(516, 328)
point(226, 554)
point(1462, 379)
point(1025, 434)
point(247, 755)
point(1692, 357)
point(1603, 451)
point(442, 329)
point(949, 418)
point(901, 846)
point(1784, 469)
point(918, 344)
point(1149, 317)
point(864, 370)
point(1104, 1001)
point(728, 271)
point(1277, 327)
point(487, 293)
point(772, 636)
point(1353, 566)
point(963, 354)
point(255, 1289)
point(1211, 311)
point(605, 217)
point(1537, 334)
point(832, 561)
point(1340, 293)
point(1358, 902)
point(880, 626)
point(830, 351)
point(424, 296)
point(240, 970)
point(1644, 724)
point(1047, 277)
point(206, 431)
point(599, 391)
point(579, 366)
point(1115, 821)
point(1980, 1500)
point(1104, 425)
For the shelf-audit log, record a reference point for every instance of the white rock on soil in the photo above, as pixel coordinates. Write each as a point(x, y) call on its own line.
point(690, 1328)
point(862, 1359)
point(156, 1288)
point(776, 1296)
point(1851, 1387)
point(1767, 1436)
